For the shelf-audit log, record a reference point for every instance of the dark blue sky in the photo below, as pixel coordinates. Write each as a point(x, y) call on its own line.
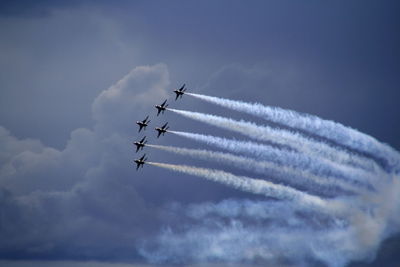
point(63, 139)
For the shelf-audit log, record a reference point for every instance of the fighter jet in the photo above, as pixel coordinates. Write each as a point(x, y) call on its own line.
point(162, 130)
point(161, 108)
point(139, 145)
point(140, 162)
point(143, 123)
point(179, 92)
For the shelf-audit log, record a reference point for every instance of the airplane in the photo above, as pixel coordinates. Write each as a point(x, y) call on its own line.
point(139, 145)
point(143, 123)
point(140, 162)
point(161, 108)
point(162, 130)
point(179, 92)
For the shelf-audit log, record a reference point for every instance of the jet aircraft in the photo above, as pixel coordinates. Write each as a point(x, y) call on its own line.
point(143, 123)
point(179, 92)
point(140, 162)
point(140, 144)
point(162, 130)
point(161, 108)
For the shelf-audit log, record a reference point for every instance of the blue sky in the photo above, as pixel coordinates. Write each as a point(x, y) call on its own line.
point(75, 77)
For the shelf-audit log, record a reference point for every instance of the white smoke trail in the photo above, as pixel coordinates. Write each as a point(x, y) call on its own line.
point(331, 130)
point(312, 231)
point(281, 136)
point(255, 186)
point(278, 173)
point(320, 167)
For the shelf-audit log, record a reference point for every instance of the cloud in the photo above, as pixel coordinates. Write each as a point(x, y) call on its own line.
point(258, 232)
point(269, 233)
point(127, 97)
point(58, 62)
point(80, 202)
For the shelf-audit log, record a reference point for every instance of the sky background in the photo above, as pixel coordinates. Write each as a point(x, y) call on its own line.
point(75, 76)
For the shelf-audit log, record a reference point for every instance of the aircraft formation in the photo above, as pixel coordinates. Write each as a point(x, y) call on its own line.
point(160, 130)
